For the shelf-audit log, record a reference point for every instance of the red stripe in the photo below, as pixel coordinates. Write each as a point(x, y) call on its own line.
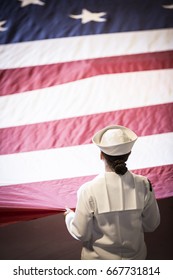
point(37, 77)
point(79, 130)
point(33, 200)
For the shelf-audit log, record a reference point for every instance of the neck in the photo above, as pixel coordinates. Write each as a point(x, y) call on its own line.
point(107, 168)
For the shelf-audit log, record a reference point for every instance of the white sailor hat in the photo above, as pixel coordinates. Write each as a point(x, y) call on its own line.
point(115, 140)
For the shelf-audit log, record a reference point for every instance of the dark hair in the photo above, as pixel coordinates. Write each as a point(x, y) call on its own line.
point(117, 163)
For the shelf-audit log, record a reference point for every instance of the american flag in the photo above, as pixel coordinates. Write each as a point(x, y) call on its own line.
point(67, 69)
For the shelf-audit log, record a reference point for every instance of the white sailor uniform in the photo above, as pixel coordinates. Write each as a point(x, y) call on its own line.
point(111, 216)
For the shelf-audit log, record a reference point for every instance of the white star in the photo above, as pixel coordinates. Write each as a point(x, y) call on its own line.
point(28, 2)
point(88, 16)
point(2, 23)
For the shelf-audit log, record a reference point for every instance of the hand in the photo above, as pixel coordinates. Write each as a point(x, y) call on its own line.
point(68, 210)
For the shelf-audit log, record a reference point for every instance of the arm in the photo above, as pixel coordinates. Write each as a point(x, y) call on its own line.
point(79, 223)
point(151, 214)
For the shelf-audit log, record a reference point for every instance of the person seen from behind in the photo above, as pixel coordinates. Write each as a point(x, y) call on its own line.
point(115, 208)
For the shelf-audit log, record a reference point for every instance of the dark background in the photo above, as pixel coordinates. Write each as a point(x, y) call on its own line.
point(47, 238)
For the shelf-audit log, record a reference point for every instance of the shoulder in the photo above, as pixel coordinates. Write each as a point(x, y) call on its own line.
point(142, 181)
point(91, 185)
point(140, 178)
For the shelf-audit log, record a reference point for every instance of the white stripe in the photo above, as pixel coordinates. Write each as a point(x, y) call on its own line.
point(84, 47)
point(149, 151)
point(89, 96)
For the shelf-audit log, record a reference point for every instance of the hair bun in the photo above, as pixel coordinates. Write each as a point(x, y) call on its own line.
point(120, 167)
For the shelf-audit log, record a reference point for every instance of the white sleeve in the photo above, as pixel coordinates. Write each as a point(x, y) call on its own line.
point(68, 220)
point(80, 222)
point(151, 214)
